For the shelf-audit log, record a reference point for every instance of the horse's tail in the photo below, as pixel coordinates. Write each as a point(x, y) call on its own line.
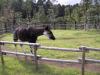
point(15, 36)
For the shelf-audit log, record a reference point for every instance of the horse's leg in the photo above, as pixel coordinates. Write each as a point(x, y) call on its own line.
point(32, 41)
point(15, 36)
point(31, 49)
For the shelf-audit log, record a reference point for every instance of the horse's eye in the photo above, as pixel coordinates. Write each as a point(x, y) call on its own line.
point(49, 33)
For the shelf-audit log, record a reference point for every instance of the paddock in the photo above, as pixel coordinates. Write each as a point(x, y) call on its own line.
point(36, 58)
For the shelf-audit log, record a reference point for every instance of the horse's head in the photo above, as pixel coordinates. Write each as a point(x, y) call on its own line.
point(48, 33)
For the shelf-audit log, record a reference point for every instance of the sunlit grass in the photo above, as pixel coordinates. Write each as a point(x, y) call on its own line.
point(65, 39)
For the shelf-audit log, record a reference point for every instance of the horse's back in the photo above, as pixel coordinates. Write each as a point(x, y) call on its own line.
point(21, 33)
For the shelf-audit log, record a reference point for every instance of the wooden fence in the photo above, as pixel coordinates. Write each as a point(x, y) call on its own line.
point(10, 27)
point(36, 46)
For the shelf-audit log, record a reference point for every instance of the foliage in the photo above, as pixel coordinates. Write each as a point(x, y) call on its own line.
point(45, 9)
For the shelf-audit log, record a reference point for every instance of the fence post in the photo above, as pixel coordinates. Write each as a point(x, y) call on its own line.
point(35, 56)
point(1, 54)
point(83, 49)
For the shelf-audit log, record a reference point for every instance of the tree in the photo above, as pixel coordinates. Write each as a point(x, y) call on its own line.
point(48, 5)
point(40, 15)
point(40, 2)
point(17, 5)
point(60, 12)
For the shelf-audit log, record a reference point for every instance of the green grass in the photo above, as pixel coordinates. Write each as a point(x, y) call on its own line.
point(64, 38)
point(20, 67)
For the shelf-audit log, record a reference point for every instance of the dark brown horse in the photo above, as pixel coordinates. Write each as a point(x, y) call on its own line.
point(31, 34)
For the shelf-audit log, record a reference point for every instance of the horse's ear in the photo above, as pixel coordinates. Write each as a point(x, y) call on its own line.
point(47, 27)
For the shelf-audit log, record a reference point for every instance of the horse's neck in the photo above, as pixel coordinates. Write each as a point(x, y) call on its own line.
point(36, 32)
point(39, 32)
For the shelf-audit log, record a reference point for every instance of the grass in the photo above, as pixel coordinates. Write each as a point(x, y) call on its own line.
point(20, 67)
point(64, 38)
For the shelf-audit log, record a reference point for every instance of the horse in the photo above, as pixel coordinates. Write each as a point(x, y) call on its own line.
point(30, 34)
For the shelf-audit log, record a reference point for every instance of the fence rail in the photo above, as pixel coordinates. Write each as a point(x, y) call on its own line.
point(37, 46)
point(60, 49)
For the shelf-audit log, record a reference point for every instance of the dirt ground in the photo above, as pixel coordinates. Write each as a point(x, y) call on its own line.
point(88, 67)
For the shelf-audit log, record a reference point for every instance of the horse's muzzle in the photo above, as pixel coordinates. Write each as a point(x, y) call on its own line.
point(53, 38)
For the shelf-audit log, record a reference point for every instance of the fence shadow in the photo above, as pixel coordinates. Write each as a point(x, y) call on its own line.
point(45, 69)
point(42, 70)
